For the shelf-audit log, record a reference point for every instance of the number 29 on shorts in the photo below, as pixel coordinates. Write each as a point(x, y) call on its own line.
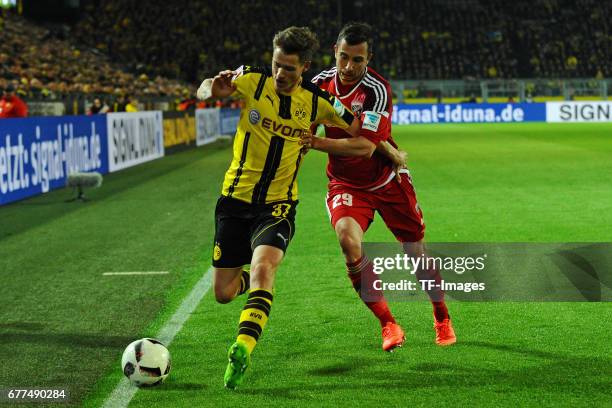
point(342, 199)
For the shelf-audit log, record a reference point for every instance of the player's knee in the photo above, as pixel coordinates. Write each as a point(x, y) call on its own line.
point(350, 244)
point(262, 269)
point(262, 273)
point(223, 295)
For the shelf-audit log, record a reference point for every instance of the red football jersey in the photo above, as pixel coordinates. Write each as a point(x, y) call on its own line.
point(370, 100)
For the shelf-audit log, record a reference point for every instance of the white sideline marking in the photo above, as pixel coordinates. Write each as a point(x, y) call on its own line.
point(135, 273)
point(124, 391)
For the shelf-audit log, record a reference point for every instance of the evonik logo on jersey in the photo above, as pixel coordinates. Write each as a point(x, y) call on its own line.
point(280, 128)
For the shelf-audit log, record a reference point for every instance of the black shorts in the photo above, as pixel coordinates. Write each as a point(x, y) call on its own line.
point(241, 227)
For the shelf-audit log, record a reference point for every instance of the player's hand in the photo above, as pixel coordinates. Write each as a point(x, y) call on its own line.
point(308, 140)
point(399, 163)
point(222, 84)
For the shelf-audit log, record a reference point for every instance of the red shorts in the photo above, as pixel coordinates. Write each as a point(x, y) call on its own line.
point(395, 202)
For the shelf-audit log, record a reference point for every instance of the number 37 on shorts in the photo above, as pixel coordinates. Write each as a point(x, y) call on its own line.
point(281, 210)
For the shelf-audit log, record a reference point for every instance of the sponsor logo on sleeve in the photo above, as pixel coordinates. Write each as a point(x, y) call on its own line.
point(371, 121)
point(338, 107)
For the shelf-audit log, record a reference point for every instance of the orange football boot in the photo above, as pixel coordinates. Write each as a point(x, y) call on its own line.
point(445, 334)
point(393, 336)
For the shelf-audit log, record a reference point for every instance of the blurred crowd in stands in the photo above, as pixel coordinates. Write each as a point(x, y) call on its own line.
point(494, 38)
point(43, 63)
point(417, 39)
point(131, 48)
point(197, 38)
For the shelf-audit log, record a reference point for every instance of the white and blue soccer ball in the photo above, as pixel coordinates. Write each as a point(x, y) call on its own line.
point(146, 362)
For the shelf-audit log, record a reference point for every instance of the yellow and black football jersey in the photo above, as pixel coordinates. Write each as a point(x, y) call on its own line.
point(267, 154)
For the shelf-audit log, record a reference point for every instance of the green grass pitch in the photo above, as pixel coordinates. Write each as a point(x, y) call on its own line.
point(64, 324)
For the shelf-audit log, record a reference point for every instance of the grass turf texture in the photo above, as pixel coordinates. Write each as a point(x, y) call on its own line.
point(64, 324)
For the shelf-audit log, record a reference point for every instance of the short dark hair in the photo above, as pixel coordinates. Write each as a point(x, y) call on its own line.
point(356, 33)
point(297, 40)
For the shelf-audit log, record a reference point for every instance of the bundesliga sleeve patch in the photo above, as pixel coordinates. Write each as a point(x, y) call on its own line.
point(371, 121)
point(338, 107)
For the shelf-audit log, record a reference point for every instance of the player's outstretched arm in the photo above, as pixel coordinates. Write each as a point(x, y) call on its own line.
point(353, 146)
point(220, 86)
point(397, 157)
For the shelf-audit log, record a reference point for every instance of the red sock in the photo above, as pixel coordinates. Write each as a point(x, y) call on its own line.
point(440, 311)
point(379, 307)
point(436, 296)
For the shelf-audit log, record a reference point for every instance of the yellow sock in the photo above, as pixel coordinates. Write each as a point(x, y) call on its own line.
point(254, 317)
point(245, 277)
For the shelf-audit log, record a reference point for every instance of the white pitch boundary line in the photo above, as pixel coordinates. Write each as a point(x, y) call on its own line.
point(125, 391)
point(135, 273)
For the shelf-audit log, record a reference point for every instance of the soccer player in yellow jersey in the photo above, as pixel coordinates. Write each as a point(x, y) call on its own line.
point(254, 217)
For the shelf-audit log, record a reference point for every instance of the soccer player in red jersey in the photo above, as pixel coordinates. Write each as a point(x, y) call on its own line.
point(359, 186)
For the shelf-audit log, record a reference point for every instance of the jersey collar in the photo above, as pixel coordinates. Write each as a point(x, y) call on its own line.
point(337, 85)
